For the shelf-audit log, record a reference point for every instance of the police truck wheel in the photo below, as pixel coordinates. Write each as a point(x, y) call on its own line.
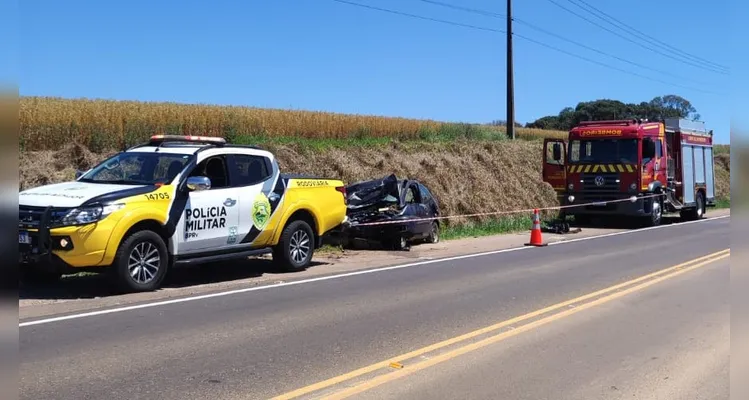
point(295, 248)
point(141, 262)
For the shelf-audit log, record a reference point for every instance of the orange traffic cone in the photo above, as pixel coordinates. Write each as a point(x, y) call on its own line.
point(536, 239)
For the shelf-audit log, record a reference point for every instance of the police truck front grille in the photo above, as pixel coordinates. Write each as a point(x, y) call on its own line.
point(29, 217)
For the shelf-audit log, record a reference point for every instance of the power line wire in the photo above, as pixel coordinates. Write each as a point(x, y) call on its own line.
point(420, 17)
point(629, 28)
point(705, 67)
point(542, 30)
point(524, 38)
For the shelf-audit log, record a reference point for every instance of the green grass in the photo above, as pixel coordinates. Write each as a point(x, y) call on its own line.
point(510, 224)
point(723, 203)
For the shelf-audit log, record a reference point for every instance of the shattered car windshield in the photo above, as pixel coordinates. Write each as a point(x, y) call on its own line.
point(604, 151)
point(135, 168)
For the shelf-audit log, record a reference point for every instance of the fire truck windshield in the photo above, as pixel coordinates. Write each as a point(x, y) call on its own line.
point(603, 151)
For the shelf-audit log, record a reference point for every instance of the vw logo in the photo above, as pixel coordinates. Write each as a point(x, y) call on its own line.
point(599, 180)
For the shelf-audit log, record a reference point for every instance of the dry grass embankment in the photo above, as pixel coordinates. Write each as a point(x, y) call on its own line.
point(49, 123)
point(466, 177)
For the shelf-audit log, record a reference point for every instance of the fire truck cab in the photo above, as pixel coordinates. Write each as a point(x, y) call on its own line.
point(633, 168)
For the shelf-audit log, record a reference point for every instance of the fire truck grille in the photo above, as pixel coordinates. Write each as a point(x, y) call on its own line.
point(600, 183)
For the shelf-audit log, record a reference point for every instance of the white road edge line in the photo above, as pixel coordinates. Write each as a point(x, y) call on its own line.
point(339, 276)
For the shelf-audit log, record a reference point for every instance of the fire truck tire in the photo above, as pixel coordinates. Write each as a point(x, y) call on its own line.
point(656, 212)
point(697, 212)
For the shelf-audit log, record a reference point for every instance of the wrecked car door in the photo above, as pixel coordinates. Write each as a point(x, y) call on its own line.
point(416, 208)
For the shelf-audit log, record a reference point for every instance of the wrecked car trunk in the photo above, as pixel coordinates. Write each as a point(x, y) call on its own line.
point(389, 200)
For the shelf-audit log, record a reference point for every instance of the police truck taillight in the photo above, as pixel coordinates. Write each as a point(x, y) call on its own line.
point(342, 189)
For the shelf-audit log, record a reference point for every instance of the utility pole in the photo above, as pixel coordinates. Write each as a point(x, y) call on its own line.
point(510, 77)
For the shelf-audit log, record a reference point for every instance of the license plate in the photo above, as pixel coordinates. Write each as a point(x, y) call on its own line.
point(24, 238)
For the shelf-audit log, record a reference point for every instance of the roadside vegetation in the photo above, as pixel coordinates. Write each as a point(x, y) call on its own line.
point(48, 123)
point(471, 168)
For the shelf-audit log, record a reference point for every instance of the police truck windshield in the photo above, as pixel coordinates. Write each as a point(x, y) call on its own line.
point(603, 151)
point(137, 168)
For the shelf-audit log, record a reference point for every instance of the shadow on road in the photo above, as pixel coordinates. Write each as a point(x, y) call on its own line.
point(621, 223)
point(90, 286)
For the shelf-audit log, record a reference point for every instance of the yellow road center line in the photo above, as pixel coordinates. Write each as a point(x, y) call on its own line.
point(377, 381)
point(436, 346)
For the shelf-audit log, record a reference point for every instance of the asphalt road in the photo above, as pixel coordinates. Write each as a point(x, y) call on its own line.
point(668, 340)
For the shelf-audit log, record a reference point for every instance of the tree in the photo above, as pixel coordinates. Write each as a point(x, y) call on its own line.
point(657, 109)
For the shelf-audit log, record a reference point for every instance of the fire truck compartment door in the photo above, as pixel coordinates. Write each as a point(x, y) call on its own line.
point(709, 173)
point(699, 165)
point(687, 168)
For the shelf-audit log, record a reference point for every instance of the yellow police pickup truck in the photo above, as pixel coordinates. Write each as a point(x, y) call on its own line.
point(171, 201)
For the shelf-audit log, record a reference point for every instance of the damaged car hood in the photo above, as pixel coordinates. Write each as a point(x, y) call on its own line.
point(374, 194)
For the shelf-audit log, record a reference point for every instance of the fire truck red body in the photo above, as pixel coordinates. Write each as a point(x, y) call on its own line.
point(659, 166)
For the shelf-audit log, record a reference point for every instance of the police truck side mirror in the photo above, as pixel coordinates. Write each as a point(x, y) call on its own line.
point(557, 150)
point(198, 183)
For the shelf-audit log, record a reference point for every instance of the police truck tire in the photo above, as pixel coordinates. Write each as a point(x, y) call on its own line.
point(295, 248)
point(141, 262)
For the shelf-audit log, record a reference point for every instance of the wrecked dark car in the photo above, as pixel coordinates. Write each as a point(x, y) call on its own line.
point(402, 203)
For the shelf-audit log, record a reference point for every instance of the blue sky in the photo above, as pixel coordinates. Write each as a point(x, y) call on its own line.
point(323, 55)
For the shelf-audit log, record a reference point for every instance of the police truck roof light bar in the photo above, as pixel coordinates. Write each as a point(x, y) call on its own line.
point(160, 139)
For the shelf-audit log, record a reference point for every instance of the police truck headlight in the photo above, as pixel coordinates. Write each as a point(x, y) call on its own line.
point(88, 215)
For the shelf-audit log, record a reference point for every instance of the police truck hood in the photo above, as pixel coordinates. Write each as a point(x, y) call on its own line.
point(75, 194)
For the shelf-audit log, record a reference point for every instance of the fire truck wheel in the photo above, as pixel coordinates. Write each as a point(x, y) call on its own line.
point(697, 212)
point(656, 212)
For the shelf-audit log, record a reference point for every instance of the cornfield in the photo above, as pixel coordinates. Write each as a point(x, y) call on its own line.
point(48, 123)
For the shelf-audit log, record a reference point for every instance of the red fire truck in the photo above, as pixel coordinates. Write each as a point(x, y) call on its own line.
point(633, 168)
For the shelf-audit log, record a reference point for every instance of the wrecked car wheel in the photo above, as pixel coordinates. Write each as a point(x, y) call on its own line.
point(398, 244)
point(434, 234)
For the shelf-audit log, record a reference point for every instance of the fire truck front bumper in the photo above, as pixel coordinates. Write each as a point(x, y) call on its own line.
point(620, 204)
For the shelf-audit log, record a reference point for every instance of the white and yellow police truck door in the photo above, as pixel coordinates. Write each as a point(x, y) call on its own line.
point(210, 220)
point(259, 197)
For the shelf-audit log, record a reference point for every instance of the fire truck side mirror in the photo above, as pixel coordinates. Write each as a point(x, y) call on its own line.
point(557, 149)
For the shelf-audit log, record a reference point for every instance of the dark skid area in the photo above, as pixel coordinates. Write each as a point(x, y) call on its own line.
point(402, 202)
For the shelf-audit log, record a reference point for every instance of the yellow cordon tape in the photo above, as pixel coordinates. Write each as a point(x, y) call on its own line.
point(529, 210)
